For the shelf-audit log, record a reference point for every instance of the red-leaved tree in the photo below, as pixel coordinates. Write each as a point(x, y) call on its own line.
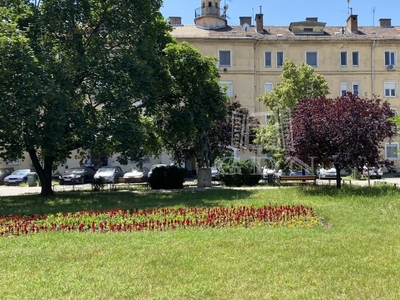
point(346, 132)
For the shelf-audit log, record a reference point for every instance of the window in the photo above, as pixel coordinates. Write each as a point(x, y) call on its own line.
point(229, 87)
point(390, 89)
point(268, 118)
point(279, 59)
point(343, 58)
point(268, 87)
point(224, 58)
point(344, 88)
point(391, 151)
point(390, 58)
point(355, 58)
point(268, 59)
point(356, 88)
point(312, 58)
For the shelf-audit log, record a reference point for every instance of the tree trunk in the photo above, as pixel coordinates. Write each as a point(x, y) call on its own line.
point(338, 178)
point(44, 173)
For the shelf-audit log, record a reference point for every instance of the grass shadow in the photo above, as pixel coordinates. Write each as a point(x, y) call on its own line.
point(77, 201)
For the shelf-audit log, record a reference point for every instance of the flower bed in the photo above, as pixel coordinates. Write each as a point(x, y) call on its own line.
point(160, 219)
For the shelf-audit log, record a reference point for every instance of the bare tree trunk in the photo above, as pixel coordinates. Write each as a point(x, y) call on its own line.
point(44, 173)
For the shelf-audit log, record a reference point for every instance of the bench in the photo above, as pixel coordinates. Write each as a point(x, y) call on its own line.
point(136, 181)
point(302, 179)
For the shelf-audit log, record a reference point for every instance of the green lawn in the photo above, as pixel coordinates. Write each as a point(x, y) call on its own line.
point(355, 254)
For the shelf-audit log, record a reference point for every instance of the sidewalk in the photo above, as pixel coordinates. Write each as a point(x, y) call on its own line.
point(192, 183)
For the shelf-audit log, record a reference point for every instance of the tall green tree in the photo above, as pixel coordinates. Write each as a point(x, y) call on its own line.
point(79, 75)
point(193, 101)
point(296, 83)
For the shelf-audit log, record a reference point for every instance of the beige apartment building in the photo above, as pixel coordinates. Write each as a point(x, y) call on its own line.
point(359, 59)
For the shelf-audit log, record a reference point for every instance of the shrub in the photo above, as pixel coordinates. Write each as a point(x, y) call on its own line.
point(239, 173)
point(169, 177)
point(98, 183)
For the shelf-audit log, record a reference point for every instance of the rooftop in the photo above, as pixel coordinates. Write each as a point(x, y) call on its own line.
point(283, 33)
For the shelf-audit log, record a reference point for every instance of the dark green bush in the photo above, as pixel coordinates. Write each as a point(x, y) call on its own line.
point(240, 173)
point(98, 183)
point(169, 177)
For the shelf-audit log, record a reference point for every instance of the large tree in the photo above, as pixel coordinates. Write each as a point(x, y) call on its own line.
point(296, 82)
point(193, 102)
point(78, 75)
point(346, 132)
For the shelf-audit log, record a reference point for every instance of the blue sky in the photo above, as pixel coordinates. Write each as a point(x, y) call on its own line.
point(283, 12)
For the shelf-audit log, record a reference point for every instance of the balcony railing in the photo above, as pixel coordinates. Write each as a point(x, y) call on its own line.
point(210, 11)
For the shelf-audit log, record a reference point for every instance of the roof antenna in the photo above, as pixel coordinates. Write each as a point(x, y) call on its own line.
point(373, 16)
point(348, 7)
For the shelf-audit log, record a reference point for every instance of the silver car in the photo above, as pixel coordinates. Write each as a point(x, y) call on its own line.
point(110, 174)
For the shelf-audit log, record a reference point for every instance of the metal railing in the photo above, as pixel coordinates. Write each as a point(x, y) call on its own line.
point(210, 11)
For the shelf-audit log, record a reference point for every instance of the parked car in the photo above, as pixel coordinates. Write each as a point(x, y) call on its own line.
point(4, 172)
point(267, 171)
point(299, 172)
point(214, 173)
point(330, 173)
point(78, 175)
point(155, 166)
point(137, 175)
point(110, 174)
point(17, 177)
point(374, 172)
point(56, 175)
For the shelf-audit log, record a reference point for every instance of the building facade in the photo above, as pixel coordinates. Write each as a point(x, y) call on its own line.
point(352, 58)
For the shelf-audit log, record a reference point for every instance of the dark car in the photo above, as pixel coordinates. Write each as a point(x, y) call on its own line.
point(110, 174)
point(78, 175)
point(4, 172)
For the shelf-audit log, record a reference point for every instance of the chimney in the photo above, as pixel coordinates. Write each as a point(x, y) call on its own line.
point(260, 22)
point(385, 22)
point(352, 24)
point(312, 19)
point(175, 21)
point(245, 20)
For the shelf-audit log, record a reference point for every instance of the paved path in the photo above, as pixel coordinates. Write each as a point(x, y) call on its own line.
point(17, 190)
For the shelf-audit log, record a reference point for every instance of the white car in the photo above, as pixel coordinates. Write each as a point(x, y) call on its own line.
point(266, 171)
point(330, 173)
point(137, 175)
point(373, 172)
